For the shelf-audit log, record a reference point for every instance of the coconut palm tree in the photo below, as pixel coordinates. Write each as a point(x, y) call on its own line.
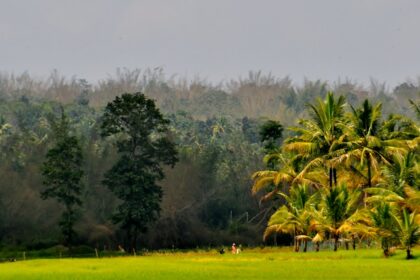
point(398, 127)
point(390, 215)
point(295, 217)
point(366, 150)
point(289, 168)
point(377, 222)
point(335, 211)
point(408, 230)
point(404, 172)
point(365, 146)
point(408, 199)
point(398, 183)
point(383, 224)
point(318, 136)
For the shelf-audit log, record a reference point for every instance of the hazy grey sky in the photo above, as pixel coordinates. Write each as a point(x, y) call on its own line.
point(218, 39)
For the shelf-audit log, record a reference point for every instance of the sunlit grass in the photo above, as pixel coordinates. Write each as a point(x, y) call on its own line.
point(251, 264)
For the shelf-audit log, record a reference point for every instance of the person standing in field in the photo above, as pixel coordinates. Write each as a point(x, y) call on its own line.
point(234, 248)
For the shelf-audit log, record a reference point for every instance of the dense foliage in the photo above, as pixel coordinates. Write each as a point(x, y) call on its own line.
point(206, 197)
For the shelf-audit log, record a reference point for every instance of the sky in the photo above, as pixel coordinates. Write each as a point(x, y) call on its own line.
point(215, 39)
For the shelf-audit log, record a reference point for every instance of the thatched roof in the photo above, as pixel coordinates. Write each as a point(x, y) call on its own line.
point(318, 238)
point(303, 238)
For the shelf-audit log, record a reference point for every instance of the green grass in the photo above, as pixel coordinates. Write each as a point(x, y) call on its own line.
point(253, 264)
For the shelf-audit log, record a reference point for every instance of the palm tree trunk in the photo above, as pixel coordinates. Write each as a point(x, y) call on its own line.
point(386, 252)
point(369, 178)
point(385, 247)
point(306, 246)
point(369, 172)
point(354, 242)
point(331, 177)
point(409, 255)
point(335, 242)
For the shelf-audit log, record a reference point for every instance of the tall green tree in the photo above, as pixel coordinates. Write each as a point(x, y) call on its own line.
point(270, 134)
point(143, 142)
point(62, 175)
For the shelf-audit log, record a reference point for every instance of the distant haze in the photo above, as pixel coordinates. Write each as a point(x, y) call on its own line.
point(217, 39)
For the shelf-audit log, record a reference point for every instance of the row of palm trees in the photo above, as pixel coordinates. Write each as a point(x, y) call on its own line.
point(346, 175)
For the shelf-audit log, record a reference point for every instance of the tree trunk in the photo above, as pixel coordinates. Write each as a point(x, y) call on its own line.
point(306, 246)
point(385, 247)
point(335, 243)
point(347, 244)
point(127, 242)
point(296, 242)
point(369, 173)
point(409, 255)
point(331, 177)
point(69, 228)
point(386, 252)
point(134, 241)
point(317, 246)
point(369, 179)
point(354, 242)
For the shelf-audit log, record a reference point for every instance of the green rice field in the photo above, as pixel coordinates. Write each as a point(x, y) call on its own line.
point(265, 263)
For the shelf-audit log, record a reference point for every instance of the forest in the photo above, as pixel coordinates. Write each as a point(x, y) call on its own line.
point(209, 196)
